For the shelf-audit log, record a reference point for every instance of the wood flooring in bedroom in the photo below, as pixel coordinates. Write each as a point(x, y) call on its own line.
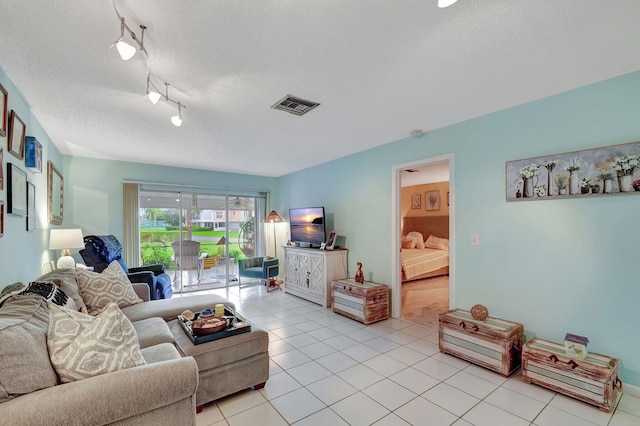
point(423, 300)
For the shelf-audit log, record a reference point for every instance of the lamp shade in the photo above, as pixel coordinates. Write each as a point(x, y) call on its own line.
point(273, 217)
point(61, 239)
point(65, 239)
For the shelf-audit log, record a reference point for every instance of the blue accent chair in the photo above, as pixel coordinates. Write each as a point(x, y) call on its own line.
point(258, 267)
point(100, 250)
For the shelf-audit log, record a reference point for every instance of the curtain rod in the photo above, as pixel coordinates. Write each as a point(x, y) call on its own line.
point(182, 185)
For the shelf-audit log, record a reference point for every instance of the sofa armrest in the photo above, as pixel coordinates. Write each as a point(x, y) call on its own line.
point(142, 290)
point(109, 397)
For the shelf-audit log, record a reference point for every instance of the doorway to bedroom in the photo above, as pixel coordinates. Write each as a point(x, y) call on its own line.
point(424, 214)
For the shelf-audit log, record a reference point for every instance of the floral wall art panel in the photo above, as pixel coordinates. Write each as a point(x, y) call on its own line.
point(592, 172)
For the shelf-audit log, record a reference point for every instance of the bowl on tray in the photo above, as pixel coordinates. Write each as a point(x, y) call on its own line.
point(208, 325)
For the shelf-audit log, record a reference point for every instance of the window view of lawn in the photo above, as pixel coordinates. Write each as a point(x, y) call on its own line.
point(156, 244)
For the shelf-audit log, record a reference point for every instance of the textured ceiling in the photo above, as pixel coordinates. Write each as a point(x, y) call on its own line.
point(379, 69)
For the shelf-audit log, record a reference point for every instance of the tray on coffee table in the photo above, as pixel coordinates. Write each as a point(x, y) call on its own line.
point(238, 325)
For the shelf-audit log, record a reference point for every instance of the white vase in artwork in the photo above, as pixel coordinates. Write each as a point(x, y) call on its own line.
point(624, 183)
point(574, 182)
point(528, 187)
point(608, 186)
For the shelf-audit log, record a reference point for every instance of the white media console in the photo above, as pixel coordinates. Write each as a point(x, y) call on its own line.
point(311, 271)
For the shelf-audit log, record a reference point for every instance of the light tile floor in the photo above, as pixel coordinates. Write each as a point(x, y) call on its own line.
point(327, 369)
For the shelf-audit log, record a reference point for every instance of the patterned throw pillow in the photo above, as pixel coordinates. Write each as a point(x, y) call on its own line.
point(82, 346)
point(100, 289)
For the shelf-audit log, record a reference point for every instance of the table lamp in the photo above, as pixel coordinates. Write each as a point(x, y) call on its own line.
point(66, 239)
point(274, 218)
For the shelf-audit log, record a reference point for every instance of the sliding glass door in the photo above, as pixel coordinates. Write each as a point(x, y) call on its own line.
point(199, 237)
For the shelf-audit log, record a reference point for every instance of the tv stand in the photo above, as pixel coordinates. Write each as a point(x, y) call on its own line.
point(310, 271)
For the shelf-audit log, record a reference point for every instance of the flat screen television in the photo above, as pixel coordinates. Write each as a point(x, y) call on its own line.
point(307, 226)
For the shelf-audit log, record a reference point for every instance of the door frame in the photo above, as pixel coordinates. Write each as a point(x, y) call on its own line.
point(396, 228)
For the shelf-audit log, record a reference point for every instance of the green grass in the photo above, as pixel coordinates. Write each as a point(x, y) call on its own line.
point(155, 246)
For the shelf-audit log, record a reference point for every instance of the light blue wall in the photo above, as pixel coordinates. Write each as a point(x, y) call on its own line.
point(94, 189)
point(22, 253)
point(557, 266)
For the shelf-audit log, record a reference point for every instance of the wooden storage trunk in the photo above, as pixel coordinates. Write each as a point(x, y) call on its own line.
point(494, 343)
point(367, 302)
point(593, 380)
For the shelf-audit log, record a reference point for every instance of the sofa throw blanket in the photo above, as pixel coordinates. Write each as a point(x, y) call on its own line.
point(107, 246)
point(48, 291)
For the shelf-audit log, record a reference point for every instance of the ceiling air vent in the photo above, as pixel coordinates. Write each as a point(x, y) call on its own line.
point(294, 105)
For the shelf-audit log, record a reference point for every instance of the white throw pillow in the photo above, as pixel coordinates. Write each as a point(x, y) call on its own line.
point(100, 289)
point(418, 237)
point(437, 243)
point(82, 346)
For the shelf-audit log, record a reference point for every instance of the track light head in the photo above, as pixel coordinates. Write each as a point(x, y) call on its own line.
point(154, 97)
point(445, 3)
point(125, 50)
point(177, 119)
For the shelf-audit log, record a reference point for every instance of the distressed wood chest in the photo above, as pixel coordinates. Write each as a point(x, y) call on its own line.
point(493, 343)
point(593, 380)
point(367, 302)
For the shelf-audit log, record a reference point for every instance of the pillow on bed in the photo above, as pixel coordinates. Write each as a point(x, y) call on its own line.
point(409, 242)
point(419, 239)
point(434, 242)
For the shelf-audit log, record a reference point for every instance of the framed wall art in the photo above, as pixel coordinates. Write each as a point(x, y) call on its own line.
point(31, 207)
point(55, 194)
point(593, 172)
point(416, 201)
point(17, 134)
point(1, 171)
point(432, 200)
point(4, 102)
point(33, 154)
point(17, 190)
point(1, 218)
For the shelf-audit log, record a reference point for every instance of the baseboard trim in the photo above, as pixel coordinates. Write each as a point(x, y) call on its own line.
point(631, 390)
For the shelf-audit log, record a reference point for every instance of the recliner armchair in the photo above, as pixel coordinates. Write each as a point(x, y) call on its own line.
point(258, 267)
point(100, 250)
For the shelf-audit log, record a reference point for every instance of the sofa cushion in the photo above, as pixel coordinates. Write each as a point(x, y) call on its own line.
point(100, 289)
point(159, 353)
point(152, 331)
point(169, 309)
point(67, 280)
point(82, 346)
point(24, 361)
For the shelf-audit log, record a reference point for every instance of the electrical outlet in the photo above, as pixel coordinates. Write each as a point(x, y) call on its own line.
point(475, 240)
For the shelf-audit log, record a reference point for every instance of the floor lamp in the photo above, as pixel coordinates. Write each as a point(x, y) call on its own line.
point(274, 218)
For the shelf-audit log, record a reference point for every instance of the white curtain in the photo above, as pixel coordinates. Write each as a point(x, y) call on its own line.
point(131, 243)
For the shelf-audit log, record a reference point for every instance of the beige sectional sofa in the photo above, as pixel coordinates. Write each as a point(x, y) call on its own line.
point(162, 391)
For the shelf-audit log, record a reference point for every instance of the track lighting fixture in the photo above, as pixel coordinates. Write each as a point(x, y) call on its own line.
point(127, 51)
point(446, 3)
